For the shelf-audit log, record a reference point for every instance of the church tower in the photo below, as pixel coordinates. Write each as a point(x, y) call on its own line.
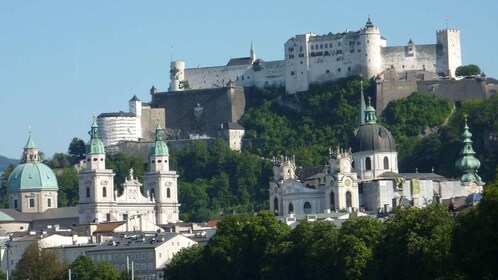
point(160, 183)
point(468, 164)
point(96, 183)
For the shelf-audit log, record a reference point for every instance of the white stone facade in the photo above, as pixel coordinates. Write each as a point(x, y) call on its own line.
point(312, 58)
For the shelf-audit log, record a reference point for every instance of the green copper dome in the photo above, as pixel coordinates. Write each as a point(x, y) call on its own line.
point(31, 174)
point(372, 136)
point(467, 163)
point(159, 147)
point(95, 145)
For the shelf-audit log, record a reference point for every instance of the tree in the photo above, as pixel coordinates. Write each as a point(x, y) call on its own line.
point(4, 202)
point(83, 268)
point(416, 244)
point(106, 271)
point(186, 264)
point(468, 70)
point(76, 150)
point(38, 264)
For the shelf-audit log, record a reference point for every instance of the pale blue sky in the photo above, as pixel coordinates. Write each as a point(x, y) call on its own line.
point(61, 61)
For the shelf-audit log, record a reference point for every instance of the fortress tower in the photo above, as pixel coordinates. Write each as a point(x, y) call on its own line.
point(371, 44)
point(449, 55)
point(177, 75)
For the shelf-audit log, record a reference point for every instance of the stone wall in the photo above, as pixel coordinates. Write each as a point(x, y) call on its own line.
point(456, 90)
point(201, 111)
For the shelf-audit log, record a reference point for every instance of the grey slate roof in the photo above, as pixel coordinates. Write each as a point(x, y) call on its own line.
point(239, 61)
point(118, 114)
point(138, 241)
point(232, 125)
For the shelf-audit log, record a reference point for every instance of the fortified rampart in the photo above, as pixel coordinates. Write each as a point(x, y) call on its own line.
point(456, 90)
point(201, 111)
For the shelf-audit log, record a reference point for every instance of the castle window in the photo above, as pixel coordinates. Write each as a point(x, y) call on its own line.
point(321, 46)
point(327, 71)
point(15, 204)
point(332, 200)
point(152, 194)
point(87, 192)
point(104, 192)
point(349, 200)
point(312, 47)
point(349, 69)
point(386, 163)
point(368, 163)
point(168, 193)
point(108, 217)
point(31, 203)
point(307, 208)
point(291, 208)
point(301, 55)
point(292, 73)
point(275, 206)
point(338, 69)
point(49, 202)
point(125, 217)
point(339, 44)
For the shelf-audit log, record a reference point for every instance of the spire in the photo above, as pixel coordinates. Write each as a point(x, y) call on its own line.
point(370, 117)
point(95, 145)
point(159, 147)
point(30, 153)
point(410, 42)
point(94, 131)
point(362, 106)
point(30, 143)
point(467, 163)
point(253, 53)
point(369, 23)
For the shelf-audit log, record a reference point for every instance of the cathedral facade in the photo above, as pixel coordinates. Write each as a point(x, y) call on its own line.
point(99, 202)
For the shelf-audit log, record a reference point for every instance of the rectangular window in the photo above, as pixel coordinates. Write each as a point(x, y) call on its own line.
point(31, 203)
point(15, 204)
point(125, 217)
point(49, 202)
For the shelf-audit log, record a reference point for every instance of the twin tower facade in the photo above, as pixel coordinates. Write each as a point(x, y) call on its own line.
point(99, 202)
point(312, 58)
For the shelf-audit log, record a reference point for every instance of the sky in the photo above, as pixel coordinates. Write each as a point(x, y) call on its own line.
point(61, 62)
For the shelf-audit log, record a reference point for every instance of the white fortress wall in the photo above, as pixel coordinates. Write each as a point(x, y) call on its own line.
point(271, 73)
point(421, 57)
point(213, 77)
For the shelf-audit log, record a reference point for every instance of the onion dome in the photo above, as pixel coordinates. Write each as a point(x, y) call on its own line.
point(31, 174)
point(372, 136)
point(95, 145)
point(159, 147)
point(467, 163)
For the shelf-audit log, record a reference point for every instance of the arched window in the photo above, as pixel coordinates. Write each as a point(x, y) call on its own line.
point(307, 208)
point(104, 192)
point(349, 200)
point(87, 192)
point(291, 208)
point(168, 193)
point(368, 163)
point(275, 205)
point(152, 194)
point(386, 163)
point(332, 201)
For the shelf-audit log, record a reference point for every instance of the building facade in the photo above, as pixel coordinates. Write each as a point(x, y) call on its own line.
point(312, 58)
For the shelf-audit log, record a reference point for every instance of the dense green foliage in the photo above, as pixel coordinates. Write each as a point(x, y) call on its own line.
point(215, 181)
point(468, 70)
point(413, 243)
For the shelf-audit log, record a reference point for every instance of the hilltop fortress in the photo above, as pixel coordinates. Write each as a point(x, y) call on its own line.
point(312, 58)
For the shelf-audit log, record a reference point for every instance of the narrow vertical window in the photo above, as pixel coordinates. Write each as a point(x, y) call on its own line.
point(168, 193)
point(104, 192)
point(386, 163)
point(49, 202)
point(152, 194)
point(291, 208)
point(87, 192)
point(368, 163)
point(332, 201)
point(349, 200)
point(275, 205)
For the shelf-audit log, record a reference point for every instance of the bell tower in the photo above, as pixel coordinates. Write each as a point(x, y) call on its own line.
point(160, 183)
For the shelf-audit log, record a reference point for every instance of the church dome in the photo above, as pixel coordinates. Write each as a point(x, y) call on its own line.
point(159, 147)
point(372, 136)
point(31, 174)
